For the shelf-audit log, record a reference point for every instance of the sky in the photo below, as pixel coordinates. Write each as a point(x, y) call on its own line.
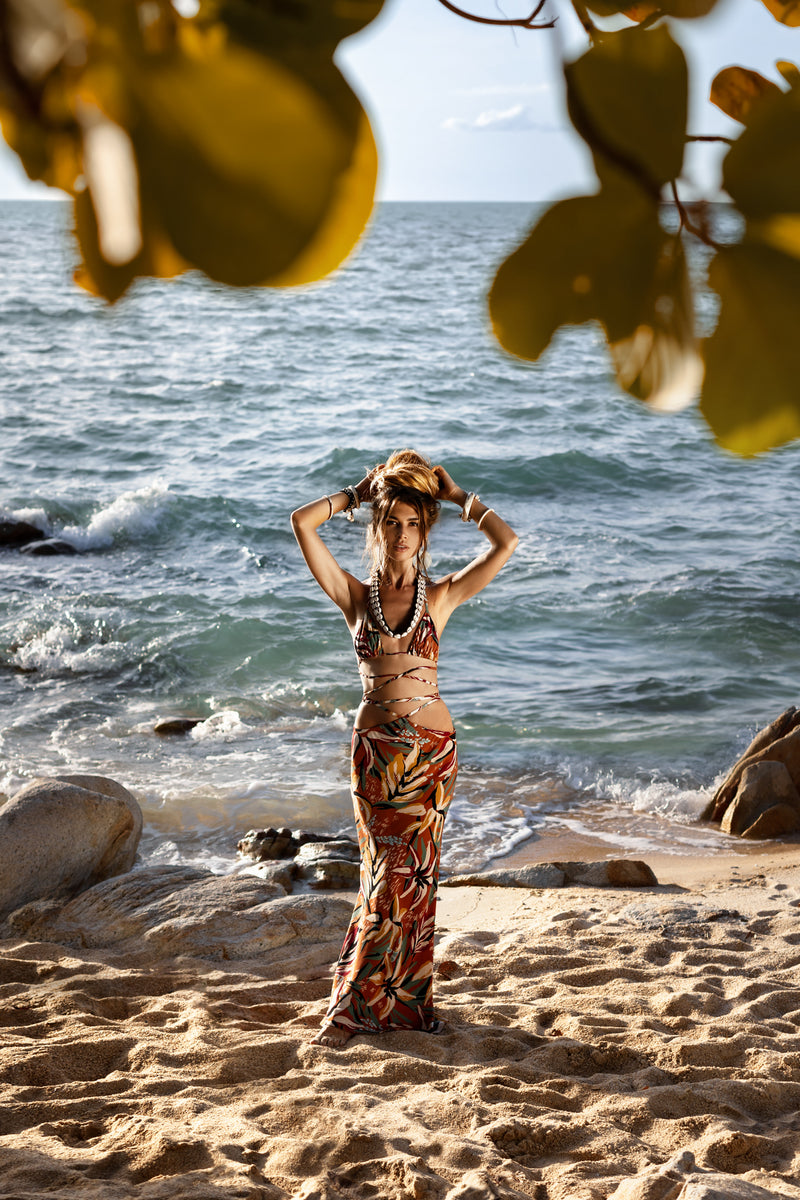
point(474, 112)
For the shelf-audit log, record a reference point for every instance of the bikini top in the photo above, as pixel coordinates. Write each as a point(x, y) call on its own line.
point(424, 644)
point(424, 641)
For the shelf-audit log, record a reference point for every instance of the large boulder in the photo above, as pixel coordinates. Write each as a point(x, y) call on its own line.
point(760, 796)
point(59, 836)
point(174, 911)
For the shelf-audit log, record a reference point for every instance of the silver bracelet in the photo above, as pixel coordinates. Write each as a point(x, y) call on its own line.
point(468, 503)
point(483, 516)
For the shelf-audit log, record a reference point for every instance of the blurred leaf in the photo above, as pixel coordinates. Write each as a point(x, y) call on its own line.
point(790, 72)
point(785, 11)
point(639, 12)
point(627, 98)
point(761, 171)
point(751, 397)
point(737, 89)
point(604, 258)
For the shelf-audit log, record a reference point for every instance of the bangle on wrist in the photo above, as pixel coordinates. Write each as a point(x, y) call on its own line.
point(468, 503)
point(483, 516)
point(353, 500)
point(330, 508)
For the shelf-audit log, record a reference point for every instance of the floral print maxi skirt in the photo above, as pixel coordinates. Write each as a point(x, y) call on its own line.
point(402, 783)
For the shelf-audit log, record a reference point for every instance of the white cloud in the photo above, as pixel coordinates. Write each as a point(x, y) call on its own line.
point(517, 119)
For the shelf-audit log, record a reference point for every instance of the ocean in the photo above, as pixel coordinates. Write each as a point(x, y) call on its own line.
point(645, 628)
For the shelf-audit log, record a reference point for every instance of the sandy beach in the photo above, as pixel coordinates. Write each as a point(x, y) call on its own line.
point(593, 1037)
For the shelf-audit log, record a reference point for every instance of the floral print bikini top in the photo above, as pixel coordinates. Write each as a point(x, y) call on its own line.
point(424, 644)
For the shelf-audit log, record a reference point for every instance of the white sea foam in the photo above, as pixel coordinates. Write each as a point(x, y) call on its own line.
point(34, 516)
point(220, 726)
point(134, 514)
point(61, 647)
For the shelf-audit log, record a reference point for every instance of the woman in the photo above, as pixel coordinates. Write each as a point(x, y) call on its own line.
point(404, 744)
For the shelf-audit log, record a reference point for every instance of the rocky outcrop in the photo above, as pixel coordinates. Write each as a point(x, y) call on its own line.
point(173, 911)
point(19, 533)
point(266, 844)
point(614, 872)
point(59, 836)
point(760, 797)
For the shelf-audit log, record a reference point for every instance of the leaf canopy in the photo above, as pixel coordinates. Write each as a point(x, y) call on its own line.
point(751, 398)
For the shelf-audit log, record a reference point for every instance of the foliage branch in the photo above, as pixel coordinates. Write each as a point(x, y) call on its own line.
point(229, 141)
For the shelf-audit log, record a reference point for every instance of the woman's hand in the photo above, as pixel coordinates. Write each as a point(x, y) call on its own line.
point(364, 487)
point(448, 488)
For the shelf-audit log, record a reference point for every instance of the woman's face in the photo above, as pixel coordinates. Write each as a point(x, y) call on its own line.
point(401, 532)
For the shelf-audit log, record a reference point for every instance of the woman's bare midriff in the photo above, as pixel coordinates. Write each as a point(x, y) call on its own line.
point(403, 696)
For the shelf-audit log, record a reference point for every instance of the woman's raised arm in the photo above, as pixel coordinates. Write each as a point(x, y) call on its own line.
point(340, 585)
point(502, 543)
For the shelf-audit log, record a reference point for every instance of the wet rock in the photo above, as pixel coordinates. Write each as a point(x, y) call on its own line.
point(611, 873)
point(763, 786)
point(48, 547)
point(175, 726)
point(264, 844)
point(336, 848)
point(19, 533)
point(172, 911)
point(60, 836)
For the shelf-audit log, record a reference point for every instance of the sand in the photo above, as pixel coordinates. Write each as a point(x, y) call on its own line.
point(592, 1035)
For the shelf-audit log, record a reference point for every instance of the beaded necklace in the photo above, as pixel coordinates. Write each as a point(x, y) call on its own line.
point(377, 610)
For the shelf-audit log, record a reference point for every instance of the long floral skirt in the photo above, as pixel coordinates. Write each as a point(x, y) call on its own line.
point(402, 784)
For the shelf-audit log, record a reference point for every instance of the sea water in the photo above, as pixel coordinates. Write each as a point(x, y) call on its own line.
point(645, 628)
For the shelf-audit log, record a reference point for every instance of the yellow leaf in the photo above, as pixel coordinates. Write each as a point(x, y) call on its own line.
point(761, 171)
point(785, 11)
point(640, 11)
point(737, 89)
point(627, 98)
point(790, 72)
point(751, 396)
point(604, 258)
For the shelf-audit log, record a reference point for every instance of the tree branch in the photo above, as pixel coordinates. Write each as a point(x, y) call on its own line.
point(688, 224)
point(709, 137)
point(519, 22)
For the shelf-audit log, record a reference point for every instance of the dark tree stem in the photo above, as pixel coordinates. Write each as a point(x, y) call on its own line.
point(687, 223)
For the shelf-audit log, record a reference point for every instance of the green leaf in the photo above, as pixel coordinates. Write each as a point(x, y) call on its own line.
point(604, 258)
point(627, 98)
point(751, 396)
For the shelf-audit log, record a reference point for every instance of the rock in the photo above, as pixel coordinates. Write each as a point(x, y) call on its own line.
point(776, 822)
point(618, 872)
point(682, 1179)
point(762, 785)
point(612, 872)
point(263, 844)
point(19, 533)
point(535, 875)
point(329, 865)
point(172, 911)
point(319, 852)
point(174, 726)
point(59, 836)
point(48, 547)
point(773, 743)
point(283, 874)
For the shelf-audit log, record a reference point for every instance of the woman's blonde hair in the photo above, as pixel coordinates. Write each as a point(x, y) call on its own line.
point(406, 476)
